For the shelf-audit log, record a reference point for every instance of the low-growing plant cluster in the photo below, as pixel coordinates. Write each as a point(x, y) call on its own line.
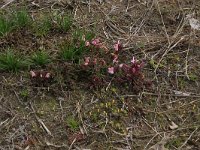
point(93, 62)
point(97, 70)
point(11, 62)
point(70, 50)
point(112, 110)
point(72, 123)
point(74, 49)
point(40, 26)
point(16, 20)
point(64, 22)
point(113, 66)
point(40, 58)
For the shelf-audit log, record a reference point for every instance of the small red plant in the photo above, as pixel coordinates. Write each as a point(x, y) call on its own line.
point(40, 77)
point(103, 67)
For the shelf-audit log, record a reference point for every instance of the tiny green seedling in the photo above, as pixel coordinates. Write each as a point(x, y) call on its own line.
point(40, 58)
point(24, 94)
point(11, 62)
point(72, 123)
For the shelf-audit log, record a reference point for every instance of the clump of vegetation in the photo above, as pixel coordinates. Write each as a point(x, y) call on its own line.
point(72, 51)
point(72, 123)
point(81, 49)
point(81, 35)
point(24, 94)
point(109, 108)
point(100, 67)
point(5, 26)
point(42, 26)
point(77, 34)
point(89, 36)
point(67, 51)
point(40, 58)
point(75, 49)
point(105, 66)
point(64, 23)
point(12, 62)
point(21, 19)
point(112, 110)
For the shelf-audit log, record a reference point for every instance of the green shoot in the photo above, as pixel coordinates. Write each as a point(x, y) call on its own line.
point(72, 123)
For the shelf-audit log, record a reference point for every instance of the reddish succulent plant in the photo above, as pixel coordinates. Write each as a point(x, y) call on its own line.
point(40, 77)
point(120, 72)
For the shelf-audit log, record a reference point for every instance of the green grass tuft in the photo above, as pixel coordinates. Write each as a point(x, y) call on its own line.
point(72, 52)
point(68, 52)
point(21, 19)
point(89, 36)
point(64, 23)
point(11, 62)
point(72, 123)
point(5, 26)
point(40, 58)
point(78, 35)
point(42, 26)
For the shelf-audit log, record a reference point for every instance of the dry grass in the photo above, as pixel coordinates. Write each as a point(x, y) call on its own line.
point(166, 115)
